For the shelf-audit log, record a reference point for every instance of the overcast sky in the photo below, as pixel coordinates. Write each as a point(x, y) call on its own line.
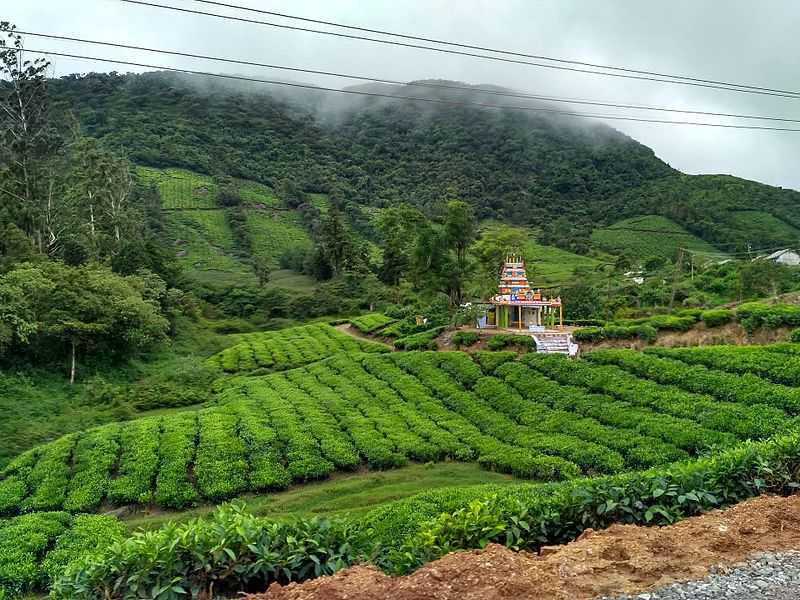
point(744, 41)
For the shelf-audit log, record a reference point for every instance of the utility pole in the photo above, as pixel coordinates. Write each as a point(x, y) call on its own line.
point(678, 267)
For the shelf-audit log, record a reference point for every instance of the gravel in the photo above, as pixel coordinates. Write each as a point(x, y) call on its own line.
point(766, 576)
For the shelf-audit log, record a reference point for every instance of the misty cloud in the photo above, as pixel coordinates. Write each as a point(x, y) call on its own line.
point(732, 40)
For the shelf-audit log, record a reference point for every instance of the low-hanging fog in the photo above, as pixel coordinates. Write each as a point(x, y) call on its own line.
point(735, 40)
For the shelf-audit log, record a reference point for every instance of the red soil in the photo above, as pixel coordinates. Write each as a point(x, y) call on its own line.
point(622, 558)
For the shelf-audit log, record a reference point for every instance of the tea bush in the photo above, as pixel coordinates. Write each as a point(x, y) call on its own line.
point(717, 317)
point(371, 322)
point(755, 315)
point(228, 553)
point(538, 417)
point(645, 333)
point(504, 340)
point(425, 340)
point(465, 338)
point(288, 349)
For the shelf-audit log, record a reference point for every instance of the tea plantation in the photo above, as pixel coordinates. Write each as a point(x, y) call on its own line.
point(288, 348)
point(539, 417)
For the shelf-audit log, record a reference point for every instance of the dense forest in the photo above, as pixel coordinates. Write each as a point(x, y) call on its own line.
point(523, 167)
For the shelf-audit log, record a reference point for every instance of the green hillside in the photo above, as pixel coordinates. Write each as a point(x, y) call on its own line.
point(763, 229)
point(539, 418)
point(510, 166)
point(643, 237)
point(716, 208)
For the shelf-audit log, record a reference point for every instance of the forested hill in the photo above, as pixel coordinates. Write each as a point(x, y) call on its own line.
point(373, 152)
point(512, 165)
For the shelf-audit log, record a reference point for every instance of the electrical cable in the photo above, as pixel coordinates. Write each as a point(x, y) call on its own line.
point(742, 89)
point(413, 98)
point(424, 84)
point(488, 49)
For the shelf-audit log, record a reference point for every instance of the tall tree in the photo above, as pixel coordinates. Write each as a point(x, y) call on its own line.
point(82, 309)
point(440, 259)
point(335, 249)
point(28, 142)
point(398, 228)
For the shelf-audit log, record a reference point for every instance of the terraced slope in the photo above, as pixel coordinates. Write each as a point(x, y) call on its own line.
point(646, 236)
point(539, 417)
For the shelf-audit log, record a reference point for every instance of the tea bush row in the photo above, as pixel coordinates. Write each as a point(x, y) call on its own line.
point(645, 333)
point(745, 421)
point(36, 548)
point(425, 340)
point(682, 433)
point(745, 388)
point(755, 315)
point(288, 349)
point(761, 361)
point(237, 552)
point(371, 322)
point(462, 339)
point(383, 410)
point(504, 340)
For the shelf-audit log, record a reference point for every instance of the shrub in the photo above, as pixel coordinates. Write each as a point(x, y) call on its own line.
point(646, 333)
point(426, 340)
point(371, 322)
point(528, 517)
point(755, 315)
point(795, 336)
point(228, 553)
point(489, 361)
point(717, 317)
point(671, 322)
point(504, 340)
point(465, 338)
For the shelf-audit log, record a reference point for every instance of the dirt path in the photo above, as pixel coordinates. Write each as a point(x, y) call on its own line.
point(622, 558)
point(353, 332)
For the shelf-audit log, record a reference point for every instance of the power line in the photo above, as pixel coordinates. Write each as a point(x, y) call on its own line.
point(742, 89)
point(494, 50)
point(410, 98)
point(473, 89)
point(739, 254)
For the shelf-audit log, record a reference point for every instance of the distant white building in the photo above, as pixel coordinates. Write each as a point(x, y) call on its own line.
point(785, 257)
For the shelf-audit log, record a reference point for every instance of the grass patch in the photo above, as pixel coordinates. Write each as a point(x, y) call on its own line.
point(351, 493)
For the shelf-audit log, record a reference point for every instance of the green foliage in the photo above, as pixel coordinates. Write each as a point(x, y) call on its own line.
point(745, 389)
point(717, 317)
point(756, 315)
point(23, 543)
point(795, 336)
point(528, 518)
point(648, 236)
point(542, 417)
point(64, 309)
point(288, 348)
point(504, 340)
point(230, 552)
point(424, 340)
point(237, 552)
point(371, 322)
point(758, 360)
point(490, 361)
point(464, 338)
point(646, 333)
point(574, 166)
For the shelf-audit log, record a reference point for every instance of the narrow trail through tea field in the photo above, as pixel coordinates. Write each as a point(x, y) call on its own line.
point(620, 559)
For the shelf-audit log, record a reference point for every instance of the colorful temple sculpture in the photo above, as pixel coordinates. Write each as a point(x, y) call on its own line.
point(517, 306)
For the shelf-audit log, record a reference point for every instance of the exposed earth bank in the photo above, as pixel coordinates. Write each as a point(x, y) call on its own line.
point(620, 559)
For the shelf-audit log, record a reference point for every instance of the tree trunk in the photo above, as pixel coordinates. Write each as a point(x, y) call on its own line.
point(72, 367)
